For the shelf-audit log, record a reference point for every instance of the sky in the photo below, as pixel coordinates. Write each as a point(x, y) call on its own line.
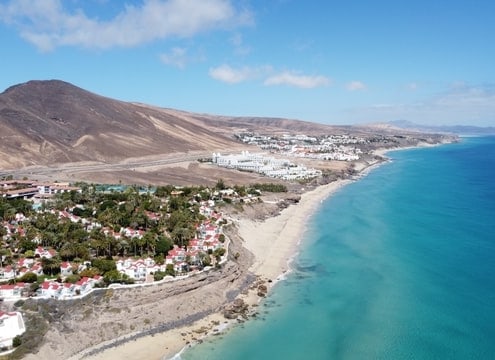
point(327, 61)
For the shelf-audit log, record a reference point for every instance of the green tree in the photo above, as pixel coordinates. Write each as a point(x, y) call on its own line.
point(104, 265)
point(204, 259)
point(220, 185)
point(164, 191)
point(163, 245)
point(218, 253)
point(9, 213)
point(240, 190)
point(29, 277)
point(169, 270)
point(26, 245)
point(112, 276)
point(181, 235)
point(159, 259)
point(150, 240)
point(159, 275)
point(72, 278)
point(50, 266)
point(175, 203)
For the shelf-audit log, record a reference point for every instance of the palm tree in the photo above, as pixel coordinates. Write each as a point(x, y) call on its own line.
point(50, 266)
point(150, 242)
point(123, 246)
point(179, 235)
point(9, 213)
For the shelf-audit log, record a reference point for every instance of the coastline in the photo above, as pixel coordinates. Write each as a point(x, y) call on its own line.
point(266, 248)
point(273, 242)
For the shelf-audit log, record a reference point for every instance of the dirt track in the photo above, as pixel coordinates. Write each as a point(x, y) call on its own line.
point(175, 169)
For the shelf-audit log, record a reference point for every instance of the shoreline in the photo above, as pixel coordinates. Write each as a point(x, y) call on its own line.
point(268, 248)
point(274, 242)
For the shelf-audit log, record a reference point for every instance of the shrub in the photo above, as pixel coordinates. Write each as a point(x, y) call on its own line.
point(29, 277)
point(19, 303)
point(17, 341)
point(91, 272)
point(72, 279)
point(159, 275)
point(270, 187)
point(219, 252)
point(104, 265)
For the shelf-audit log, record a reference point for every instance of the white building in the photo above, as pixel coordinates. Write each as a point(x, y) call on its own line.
point(11, 325)
point(268, 166)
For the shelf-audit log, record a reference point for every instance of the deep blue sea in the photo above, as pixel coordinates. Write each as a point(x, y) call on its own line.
point(397, 265)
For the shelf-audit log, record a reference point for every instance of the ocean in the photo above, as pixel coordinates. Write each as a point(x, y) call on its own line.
point(397, 265)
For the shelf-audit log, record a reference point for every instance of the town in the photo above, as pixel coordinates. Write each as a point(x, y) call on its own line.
point(61, 241)
point(327, 147)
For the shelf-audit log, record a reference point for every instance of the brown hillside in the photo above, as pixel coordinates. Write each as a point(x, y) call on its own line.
point(47, 122)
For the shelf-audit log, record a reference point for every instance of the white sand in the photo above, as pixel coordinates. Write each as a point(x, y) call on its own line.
point(275, 240)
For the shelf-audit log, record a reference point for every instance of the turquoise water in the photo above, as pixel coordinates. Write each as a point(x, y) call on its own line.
point(398, 265)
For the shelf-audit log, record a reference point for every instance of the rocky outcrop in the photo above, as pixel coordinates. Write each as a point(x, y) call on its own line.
point(235, 309)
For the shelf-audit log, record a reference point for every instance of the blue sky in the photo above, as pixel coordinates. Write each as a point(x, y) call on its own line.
point(335, 62)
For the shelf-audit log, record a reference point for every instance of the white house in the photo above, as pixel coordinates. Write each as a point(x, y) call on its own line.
point(138, 269)
point(12, 291)
point(65, 268)
point(43, 253)
point(50, 289)
point(7, 272)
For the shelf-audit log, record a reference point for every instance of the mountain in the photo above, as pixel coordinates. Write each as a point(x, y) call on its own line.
point(45, 122)
point(52, 122)
point(451, 129)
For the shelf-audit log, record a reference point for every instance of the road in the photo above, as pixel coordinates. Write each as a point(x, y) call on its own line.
point(129, 164)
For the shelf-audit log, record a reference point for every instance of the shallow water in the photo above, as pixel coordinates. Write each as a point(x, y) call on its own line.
point(398, 265)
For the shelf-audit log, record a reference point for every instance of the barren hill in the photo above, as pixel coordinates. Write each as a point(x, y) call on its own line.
point(46, 122)
point(52, 121)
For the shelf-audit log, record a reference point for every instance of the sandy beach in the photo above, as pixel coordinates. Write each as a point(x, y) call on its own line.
point(273, 242)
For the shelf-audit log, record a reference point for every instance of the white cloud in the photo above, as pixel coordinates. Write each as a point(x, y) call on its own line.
point(239, 47)
point(230, 75)
point(47, 24)
point(355, 86)
point(176, 57)
point(293, 79)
